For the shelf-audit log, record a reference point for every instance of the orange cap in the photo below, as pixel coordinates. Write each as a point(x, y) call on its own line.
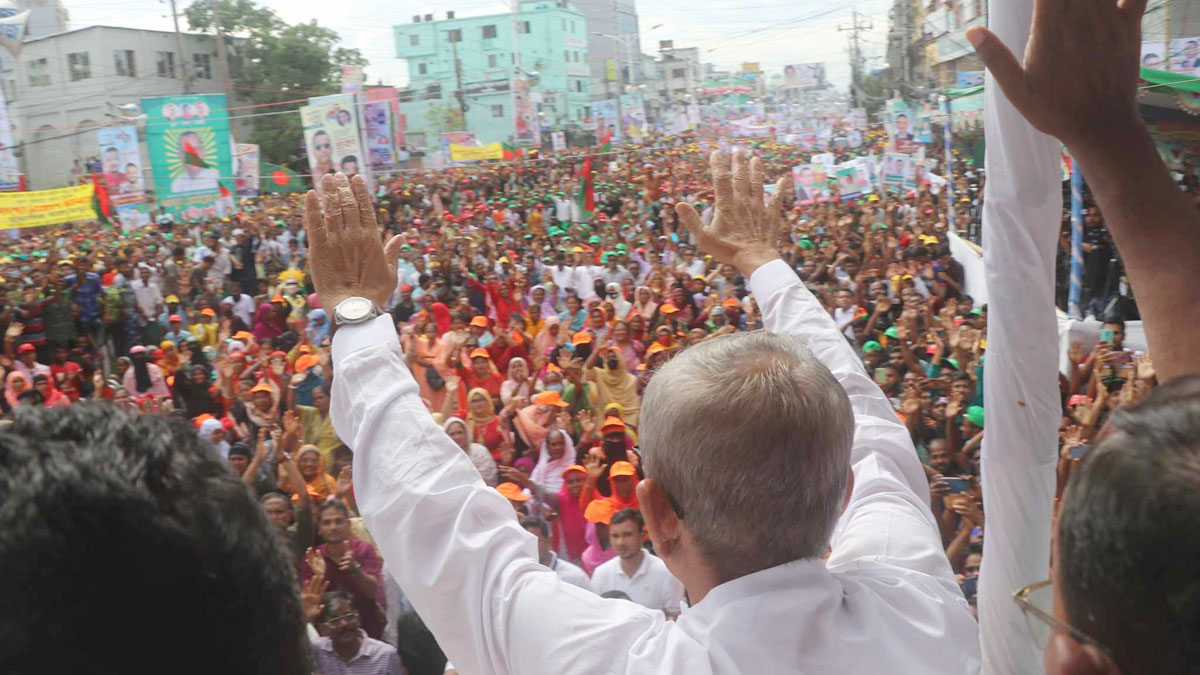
point(730, 302)
point(305, 362)
point(277, 298)
point(480, 321)
point(207, 311)
point(550, 398)
point(668, 308)
point(582, 338)
point(612, 423)
point(511, 491)
point(573, 467)
point(621, 469)
point(655, 348)
point(243, 335)
point(262, 386)
point(480, 351)
point(553, 369)
point(599, 511)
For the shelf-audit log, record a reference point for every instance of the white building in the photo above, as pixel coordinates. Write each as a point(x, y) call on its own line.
point(65, 82)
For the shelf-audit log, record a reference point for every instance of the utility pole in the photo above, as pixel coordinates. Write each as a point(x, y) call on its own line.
point(462, 100)
point(184, 66)
point(855, 54)
point(222, 55)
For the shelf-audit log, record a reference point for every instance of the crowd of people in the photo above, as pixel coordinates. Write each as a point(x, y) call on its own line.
point(532, 329)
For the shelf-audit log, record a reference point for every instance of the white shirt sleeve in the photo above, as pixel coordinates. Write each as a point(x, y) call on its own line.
point(453, 543)
point(887, 519)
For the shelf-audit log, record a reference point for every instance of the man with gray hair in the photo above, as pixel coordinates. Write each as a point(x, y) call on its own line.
point(762, 454)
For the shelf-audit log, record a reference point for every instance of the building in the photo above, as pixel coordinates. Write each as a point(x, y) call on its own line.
point(461, 70)
point(46, 17)
point(614, 44)
point(67, 83)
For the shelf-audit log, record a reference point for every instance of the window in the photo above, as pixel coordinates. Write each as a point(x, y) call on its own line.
point(124, 62)
point(454, 35)
point(414, 40)
point(523, 27)
point(421, 69)
point(165, 64)
point(493, 62)
point(572, 26)
point(498, 110)
point(566, 55)
point(38, 72)
point(80, 66)
point(489, 32)
point(202, 65)
point(433, 92)
point(564, 24)
point(679, 72)
point(578, 85)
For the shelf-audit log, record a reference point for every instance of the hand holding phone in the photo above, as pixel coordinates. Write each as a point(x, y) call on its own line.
point(957, 484)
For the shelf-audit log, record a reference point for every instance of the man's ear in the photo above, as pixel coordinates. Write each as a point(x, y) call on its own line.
point(662, 523)
point(1067, 656)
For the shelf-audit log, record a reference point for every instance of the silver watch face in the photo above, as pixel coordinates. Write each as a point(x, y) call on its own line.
point(352, 310)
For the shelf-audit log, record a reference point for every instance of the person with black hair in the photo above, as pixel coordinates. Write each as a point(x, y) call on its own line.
point(570, 572)
point(343, 641)
point(104, 512)
point(642, 576)
point(350, 565)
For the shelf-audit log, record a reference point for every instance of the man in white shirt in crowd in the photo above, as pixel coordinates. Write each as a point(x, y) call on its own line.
point(762, 452)
point(243, 305)
point(147, 294)
point(570, 572)
point(641, 576)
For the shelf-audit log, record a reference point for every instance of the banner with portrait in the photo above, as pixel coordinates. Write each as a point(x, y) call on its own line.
point(187, 137)
point(526, 130)
point(331, 137)
point(607, 119)
point(896, 169)
point(804, 75)
point(352, 79)
point(121, 164)
point(377, 118)
point(900, 121)
point(633, 117)
point(247, 171)
point(847, 182)
point(10, 172)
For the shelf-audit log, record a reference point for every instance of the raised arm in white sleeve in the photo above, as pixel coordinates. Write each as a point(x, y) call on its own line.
point(454, 544)
point(888, 517)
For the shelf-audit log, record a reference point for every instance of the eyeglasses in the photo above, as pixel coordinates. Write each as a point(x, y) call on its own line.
point(322, 146)
point(1036, 602)
point(342, 620)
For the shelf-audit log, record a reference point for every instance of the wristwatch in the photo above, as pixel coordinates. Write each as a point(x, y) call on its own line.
point(355, 310)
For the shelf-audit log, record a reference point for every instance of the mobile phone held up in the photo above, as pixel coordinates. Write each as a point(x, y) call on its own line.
point(1079, 451)
point(958, 485)
point(881, 376)
point(1106, 335)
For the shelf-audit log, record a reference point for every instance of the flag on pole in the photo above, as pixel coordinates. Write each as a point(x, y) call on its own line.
point(587, 193)
point(605, 145)
point(279, 179)
point(101, 204)
point(192, 156)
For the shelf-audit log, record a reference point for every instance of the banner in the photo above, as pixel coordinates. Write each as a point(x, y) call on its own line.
point(896, 168)
point(187, 137)
point(900, 119)
point(331, 136)
point(605, 114)
point(352, 79)
point(46, 207)
point(526, 130)
point(121, 164)
point(969, 78)
point(247, 170)
point(804, 75)
point(633, 117)
point(390, 96)
point(12, 27)
point(558, 140)
point(465, 138)
point(377, 118)
point(10, 174)
point(134, 216)
point(471, 153)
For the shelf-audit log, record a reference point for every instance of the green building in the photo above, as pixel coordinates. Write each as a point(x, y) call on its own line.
point(478, 53)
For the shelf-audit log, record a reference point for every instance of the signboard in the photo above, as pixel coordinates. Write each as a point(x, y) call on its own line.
point(46, 207)
point(526, 131)
point(804, 75)
point(331, 136)
point(486, 88)
point(607, 119)
point(121, 164)
point(187, 137)
point(377, 119)
point(247, 158)
point(633, 116)
point(352, 79)
point(10, 174)
point(472, 153)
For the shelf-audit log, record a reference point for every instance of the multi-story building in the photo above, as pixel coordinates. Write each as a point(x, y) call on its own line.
point(614, 45)
point(67, 83)
point(461, 71)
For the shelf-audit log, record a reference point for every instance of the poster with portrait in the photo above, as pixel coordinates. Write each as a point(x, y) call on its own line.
point(558, 140)
point(331, 137)
point(923, 129)
point(607, 119)
point(633, 117)
point(10, 173)
point(805, 183)
point(352, 79)
point(187, 138)
point(390, 96)
point(847, 181)
point(121, 164)
point(377, 118)
point(1154, 55)
point(896, 168)
point(526, 130)
point(1185, 55)
point(247, 172)
point(804, 75)
point(864, 175)
point(900, 121)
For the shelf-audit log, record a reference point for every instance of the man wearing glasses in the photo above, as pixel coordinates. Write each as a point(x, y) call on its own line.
point(343, 646)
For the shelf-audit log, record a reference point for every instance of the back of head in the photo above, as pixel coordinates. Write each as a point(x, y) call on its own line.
point(751, 435)
point(128, 545)
point(1129, 535)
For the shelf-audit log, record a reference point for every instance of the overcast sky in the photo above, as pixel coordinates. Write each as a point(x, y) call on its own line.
point(770, 32)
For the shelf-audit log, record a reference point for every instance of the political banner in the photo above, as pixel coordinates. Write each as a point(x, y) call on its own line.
point(847, 183)
point(1155, 55)
point(10, 173)
point(121, 164)
point(331, 136)
point(968, 78)
point(247, 172)
point(896, 169)
point(899, 120)
point(46, 207)
point(134, 216)
point(1185, 55)
point(13, 21)
point(864, 175)
point(607, 117)
point(473, 153)
point(187, 137)
point(526, 131)
point(804, 75)
point(558, 140)
point(352, 79)
point(464, 138)
point(377, 118)
point(633, 117)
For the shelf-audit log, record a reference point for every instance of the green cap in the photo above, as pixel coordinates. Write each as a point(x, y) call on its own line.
point(806, 244)
point(594, 239)
point(872, 346)
point(620, 247)
point(952, 362)
point(975, 415)
point(977, 312)
point(892, 333)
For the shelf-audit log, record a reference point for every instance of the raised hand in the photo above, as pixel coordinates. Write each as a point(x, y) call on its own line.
point(344, 251)
point(743, 231)
point(1145, 367)
point(1078, 78)
point(595, 467)
point(311, 594)
point(316, 562)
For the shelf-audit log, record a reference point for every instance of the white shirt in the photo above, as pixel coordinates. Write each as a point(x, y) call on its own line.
point(885, 602)
point(243, 308)
point(844, 318)
point(652, 585)
point(570, 572)
point(206, 179)
point(148, 297)
point(562, 276)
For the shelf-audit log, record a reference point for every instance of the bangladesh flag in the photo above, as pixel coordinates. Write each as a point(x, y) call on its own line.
point(510, 152)
point(101, 204)
point(192, 156)
point(587, 191)
point(279, 179)
point(605, 145)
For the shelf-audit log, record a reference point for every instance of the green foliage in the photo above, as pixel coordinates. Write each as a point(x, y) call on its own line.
point(440, 119)
point(272, 61)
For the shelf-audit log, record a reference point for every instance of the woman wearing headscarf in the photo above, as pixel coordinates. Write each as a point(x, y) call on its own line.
point(551, 335)
point(212, 432)
point(441, 317)
point(541, 297)
point(195, 393)
point(320, 484)
point(517, 383)
point(144, 377)
point(318, 326)
point(483, 424)
point(535, 421)
point(614, 383)
point(597, 324)
point(612, 293)
point(426, 353)
point(456, 429)
point(50, 394)
point(568, 530)
point(631, 349)
point(14, 383)
point(557, 453)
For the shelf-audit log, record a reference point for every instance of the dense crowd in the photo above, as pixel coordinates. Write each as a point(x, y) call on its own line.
point(532, 329)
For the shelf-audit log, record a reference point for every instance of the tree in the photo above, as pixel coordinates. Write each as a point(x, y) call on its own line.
point(440, 119)
point(271, 61)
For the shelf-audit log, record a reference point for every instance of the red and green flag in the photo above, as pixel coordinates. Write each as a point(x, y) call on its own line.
point(279, 179)
point(192, 156)
point(101, 204)
point(587, 190)
point(605, 145)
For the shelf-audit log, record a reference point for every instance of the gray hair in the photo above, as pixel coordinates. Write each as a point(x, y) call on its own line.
point(750, 435)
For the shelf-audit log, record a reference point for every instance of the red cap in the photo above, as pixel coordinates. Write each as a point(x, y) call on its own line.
point(174, 318)
point(26, 348)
